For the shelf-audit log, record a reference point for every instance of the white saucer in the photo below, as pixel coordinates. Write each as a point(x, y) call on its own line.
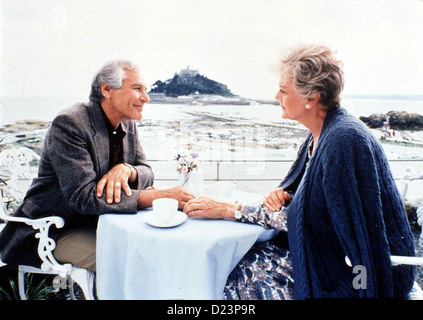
point(153, 220)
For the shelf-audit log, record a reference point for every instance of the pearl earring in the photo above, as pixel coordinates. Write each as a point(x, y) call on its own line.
point(307, 106)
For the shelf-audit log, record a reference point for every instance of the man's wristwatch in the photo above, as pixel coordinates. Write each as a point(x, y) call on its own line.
point(238, 215)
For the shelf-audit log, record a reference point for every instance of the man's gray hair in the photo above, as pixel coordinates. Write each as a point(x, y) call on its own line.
point(112, 74)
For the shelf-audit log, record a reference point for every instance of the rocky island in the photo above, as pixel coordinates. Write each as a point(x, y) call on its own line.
point(190, 87)
point(189, 82)
point(396, 120)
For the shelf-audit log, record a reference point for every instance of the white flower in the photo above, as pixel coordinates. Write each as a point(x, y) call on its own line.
point(186, 163)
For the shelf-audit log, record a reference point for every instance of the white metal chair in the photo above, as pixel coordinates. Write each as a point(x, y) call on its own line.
point(66, 273)
point(406, 179)
point(416, 293)
point(16, 172)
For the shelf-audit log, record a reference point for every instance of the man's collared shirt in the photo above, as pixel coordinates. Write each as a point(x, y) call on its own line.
point(115, 141)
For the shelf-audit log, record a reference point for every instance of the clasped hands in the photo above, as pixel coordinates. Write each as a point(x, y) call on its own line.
point(119, 177)
point(206, 207)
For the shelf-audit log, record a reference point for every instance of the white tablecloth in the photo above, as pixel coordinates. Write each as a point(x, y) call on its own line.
point(190, 261)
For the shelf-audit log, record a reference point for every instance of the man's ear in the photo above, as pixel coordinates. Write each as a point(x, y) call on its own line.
point(105, 90)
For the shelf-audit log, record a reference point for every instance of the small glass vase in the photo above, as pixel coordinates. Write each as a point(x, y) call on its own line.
point(192, 182)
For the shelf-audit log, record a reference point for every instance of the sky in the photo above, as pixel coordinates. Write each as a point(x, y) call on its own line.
point(54, 48)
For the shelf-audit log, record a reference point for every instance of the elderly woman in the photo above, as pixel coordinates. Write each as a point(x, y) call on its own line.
point(339, 202)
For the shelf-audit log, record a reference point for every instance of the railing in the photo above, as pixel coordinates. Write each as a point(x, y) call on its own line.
point(216, 173)
point(220, 170)
point(261, 176)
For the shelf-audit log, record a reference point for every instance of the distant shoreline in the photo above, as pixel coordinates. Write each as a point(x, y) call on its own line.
point(248, 101)
point(343, 95)
point(208, 100)
point(383, 97)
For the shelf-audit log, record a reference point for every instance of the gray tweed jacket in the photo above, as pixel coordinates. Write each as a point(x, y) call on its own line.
point(74, 158)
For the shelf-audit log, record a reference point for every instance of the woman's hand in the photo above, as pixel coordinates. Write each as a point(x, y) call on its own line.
point(114, 181)
point(276, 199)
point(209, 208)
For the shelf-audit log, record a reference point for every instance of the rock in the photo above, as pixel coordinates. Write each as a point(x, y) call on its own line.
point(27, 133)
point(374, 121)
point(397, 120)
point(25, 126)
point(405, 121)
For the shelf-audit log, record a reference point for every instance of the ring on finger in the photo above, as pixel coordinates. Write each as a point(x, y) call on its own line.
point(117, 184)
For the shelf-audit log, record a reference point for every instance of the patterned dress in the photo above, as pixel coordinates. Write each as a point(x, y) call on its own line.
point(265, 272)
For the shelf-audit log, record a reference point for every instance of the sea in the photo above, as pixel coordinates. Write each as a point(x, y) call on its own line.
point(45, 108)
point(162, 139)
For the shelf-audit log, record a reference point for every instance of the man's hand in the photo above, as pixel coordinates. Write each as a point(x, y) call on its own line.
point(180, 194)
point(147, 196)
point(276, 199)
point(114, 181)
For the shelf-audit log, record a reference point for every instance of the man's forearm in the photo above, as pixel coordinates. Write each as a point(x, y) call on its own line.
point(146, 197)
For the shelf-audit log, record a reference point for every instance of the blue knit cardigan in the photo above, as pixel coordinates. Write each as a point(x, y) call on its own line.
point(346, 203)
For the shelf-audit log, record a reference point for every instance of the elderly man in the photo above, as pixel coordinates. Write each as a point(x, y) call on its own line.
point(92, 163)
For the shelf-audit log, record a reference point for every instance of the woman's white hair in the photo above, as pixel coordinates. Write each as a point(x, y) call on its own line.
point(112, 74)
point(315, 70)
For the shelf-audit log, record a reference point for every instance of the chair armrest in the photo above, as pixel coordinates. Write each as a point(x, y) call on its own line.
point(37, 223)
point(399, 260)
point(46, 245)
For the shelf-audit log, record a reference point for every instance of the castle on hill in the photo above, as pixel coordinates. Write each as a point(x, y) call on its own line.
point(188, 72)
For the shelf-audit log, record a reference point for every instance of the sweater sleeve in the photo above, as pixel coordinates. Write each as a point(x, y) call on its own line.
point(352, 192)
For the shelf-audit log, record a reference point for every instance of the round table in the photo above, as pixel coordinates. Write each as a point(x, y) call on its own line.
point(189, 261)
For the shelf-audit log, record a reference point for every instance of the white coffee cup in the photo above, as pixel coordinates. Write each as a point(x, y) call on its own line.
point(165, 208)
